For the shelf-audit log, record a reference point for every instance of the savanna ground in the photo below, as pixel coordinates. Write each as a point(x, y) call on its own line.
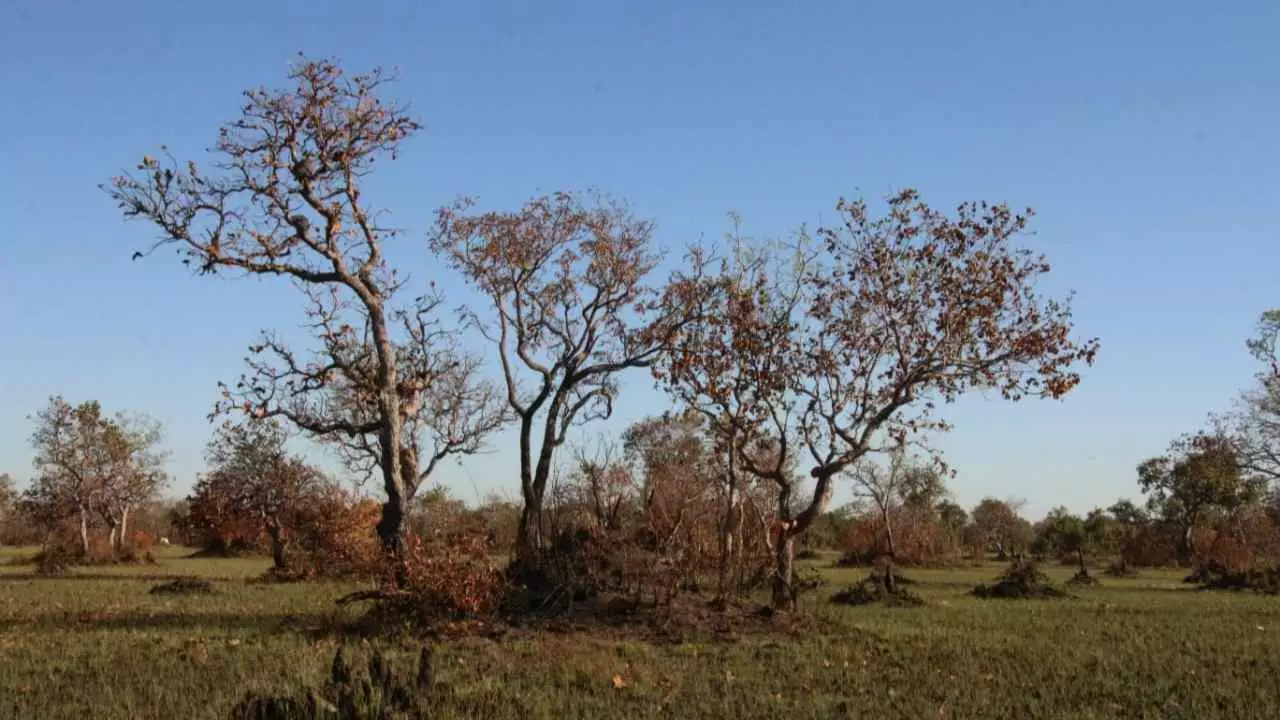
point(97, 644)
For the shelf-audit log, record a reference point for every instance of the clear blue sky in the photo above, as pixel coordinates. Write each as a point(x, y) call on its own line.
point(1143, 133)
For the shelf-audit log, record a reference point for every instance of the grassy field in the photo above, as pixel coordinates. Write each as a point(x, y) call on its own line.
point(97, 644)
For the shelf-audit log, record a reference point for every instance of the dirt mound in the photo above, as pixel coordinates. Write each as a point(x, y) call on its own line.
point(876, 590)
point(184, 586)
point(1083, 580)
point(1021, 581)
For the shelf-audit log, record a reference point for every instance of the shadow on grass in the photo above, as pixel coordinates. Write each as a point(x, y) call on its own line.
point(267, 624)
point(146, 577)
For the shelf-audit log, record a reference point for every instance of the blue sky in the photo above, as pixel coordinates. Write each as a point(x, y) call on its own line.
point(1143, 133)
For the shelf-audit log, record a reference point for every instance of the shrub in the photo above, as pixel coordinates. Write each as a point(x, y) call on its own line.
point(1021, 580)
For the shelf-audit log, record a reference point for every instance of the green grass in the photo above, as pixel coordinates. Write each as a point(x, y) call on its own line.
point(97, 644)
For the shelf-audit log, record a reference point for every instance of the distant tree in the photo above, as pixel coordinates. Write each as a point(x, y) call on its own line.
point(1200, 474)
point(8, 503)
point(1066, 533)
point(87, 464)
point(571, 308)
point(902, 481)
point(288, 200)
point(952, 516)
point(253, 477)
point(1255, 427)
point(999, 526)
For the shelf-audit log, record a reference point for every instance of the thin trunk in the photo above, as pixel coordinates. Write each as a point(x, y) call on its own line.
point(528, 537)
point(84, 530)
point(784, 568)
point(124, 524)
point(1084, 570)
point(726, 529)
point(890, 550)
point(275, 533)
point(113, 542)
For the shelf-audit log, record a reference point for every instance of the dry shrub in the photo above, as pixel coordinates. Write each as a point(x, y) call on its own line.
point(1021, 580)
point(184, 586)
point(449, 580)
point(335, 537)
point(142, 541)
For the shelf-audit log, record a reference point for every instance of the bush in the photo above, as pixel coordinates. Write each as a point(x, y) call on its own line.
point(1021, 580)
point(54, 560)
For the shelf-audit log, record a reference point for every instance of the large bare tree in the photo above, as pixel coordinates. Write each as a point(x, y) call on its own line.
point(894, 315)
point(571, 307)
point(286, 199)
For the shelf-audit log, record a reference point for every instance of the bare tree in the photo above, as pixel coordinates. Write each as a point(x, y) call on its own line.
point(894, 316)
point(287, 200)
point(571, 309)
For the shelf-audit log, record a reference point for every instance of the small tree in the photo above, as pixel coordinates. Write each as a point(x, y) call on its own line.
point(8, 504)
point(254, 477)
point(999, 525)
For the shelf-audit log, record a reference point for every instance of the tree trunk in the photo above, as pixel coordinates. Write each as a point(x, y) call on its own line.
point(113, 541)
point(84, 530)
point(274, 532)
point(1188, 549)
point(888, 531)
point(1084, 570)
point(784, 568)
point(390, 435)
point(124, 524)
point(726, 530)
point(528, 534)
